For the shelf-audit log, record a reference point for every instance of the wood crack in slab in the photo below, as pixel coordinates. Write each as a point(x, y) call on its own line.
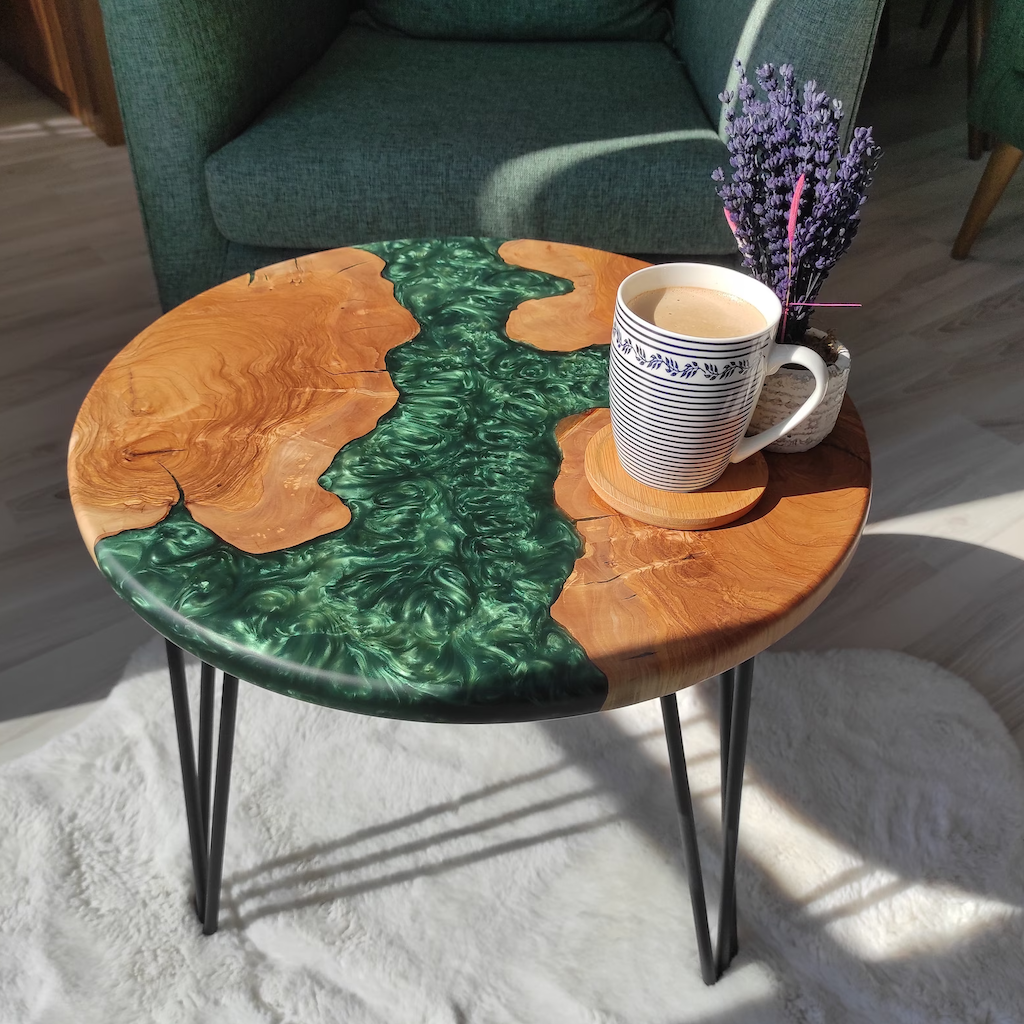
point(605, 603)
point(155, 451)
point(639, 570)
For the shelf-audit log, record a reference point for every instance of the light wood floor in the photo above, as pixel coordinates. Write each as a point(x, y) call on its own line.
point(938, 374)
point(75, 286)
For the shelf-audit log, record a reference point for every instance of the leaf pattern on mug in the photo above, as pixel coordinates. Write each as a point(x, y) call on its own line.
point(736, 366)
point(659, 361)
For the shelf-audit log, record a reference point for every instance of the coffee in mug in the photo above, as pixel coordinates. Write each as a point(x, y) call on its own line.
point(698, 312)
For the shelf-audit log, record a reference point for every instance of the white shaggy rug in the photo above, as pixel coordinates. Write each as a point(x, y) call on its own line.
point(381, 871)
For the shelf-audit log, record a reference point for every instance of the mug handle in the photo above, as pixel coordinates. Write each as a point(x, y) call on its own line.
point(781, 354)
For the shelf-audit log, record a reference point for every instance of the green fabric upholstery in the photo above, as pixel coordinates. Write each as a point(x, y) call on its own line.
point(603, 144)
point(518, 20)
point(997, 102)
point(190, 76)
point(606, 143)
point(827, 40)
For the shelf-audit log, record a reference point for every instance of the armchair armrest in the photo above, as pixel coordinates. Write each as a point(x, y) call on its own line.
point(191, 75)
point(827, 40)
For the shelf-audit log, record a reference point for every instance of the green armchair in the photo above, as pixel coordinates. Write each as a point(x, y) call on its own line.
point(997, 106)
point(263, 129)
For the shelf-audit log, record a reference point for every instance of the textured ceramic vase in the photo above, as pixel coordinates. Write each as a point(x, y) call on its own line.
point(787, 390)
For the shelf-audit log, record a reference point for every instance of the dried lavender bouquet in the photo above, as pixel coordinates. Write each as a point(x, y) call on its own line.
point(793, 197)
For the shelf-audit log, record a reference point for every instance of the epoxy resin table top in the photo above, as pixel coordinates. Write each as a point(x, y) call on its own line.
point(357, 478)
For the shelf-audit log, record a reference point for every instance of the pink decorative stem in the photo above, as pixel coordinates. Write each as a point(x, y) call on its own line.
point(794, 209)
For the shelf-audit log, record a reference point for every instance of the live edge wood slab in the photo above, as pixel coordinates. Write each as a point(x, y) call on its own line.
point(358, 478)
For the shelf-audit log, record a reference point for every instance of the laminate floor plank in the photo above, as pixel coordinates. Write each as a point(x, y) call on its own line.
point(72, 621)
point(936, 619)
point(80, 670)
point(956, 462)
point(75, 287)
point(23, 735)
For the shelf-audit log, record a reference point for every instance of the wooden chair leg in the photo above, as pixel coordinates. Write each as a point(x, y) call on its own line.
point(1005, 159)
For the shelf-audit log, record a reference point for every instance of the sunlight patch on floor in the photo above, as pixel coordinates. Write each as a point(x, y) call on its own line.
point(868, 909)
point(63, 126)
point(999, 516)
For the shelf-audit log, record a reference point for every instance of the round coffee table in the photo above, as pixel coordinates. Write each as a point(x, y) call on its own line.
point(356, 478)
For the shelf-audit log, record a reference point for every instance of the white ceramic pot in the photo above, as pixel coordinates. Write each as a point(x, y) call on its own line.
point(787, 390)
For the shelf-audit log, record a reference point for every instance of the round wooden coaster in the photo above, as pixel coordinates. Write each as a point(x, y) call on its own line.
point(736, 492)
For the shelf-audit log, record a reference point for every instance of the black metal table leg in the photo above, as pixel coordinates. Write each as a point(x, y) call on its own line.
point(728, 943)
point(691, 853)
point(189, 778)
point(726, 694)
point(206, 825)
point(735, 690)
point(225, 745)
point(726, 685)
point(208, 680)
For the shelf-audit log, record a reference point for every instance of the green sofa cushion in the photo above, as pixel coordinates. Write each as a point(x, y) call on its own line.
point(600, 143)
point(522, 19)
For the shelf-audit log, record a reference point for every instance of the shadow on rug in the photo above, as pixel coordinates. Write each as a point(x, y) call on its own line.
point(382, 871)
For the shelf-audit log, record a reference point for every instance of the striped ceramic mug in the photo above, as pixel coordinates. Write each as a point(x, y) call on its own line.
point(681, 405)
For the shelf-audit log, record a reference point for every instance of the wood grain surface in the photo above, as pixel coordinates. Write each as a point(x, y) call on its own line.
point(272, 372)
point(658, 609)
point(584, 316)
point(731, 496)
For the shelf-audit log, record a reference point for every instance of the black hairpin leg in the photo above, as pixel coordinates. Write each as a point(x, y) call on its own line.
point(691, 854)
point(726, 693)
point(728, 943)
point(735, 704)
point(206, 824)
point(207, 681)
point(726, 687)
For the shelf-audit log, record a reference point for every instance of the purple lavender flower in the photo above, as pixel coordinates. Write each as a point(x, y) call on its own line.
point(772, 142)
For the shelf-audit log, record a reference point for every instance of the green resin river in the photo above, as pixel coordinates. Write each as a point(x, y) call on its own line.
point(434, 602)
